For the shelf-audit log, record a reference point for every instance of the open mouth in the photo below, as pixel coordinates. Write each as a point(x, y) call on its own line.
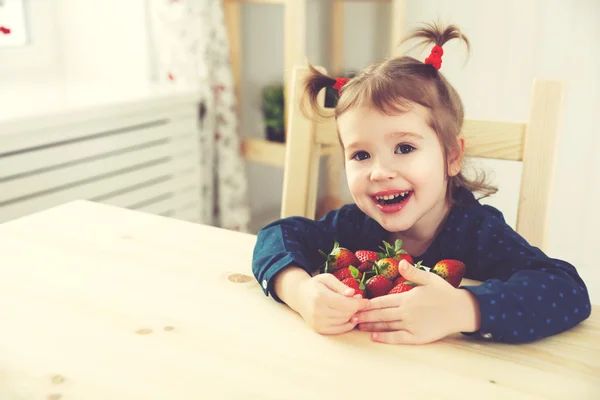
point(393, 198)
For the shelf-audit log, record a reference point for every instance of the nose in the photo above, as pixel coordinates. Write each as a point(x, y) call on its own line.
point(382, 171)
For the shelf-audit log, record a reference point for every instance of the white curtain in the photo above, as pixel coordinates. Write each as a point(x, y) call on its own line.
point(191, 49)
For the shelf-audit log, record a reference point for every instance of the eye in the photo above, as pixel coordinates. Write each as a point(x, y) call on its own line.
point(404, 148)
point(360, 156)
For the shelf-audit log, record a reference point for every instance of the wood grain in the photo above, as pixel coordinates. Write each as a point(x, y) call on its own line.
point(494, 139)
point(79, 284)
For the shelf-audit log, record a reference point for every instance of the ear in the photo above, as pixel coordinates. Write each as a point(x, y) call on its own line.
point(455, 157)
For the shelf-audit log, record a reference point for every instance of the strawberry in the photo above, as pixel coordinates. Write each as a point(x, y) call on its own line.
point(406, 257)
point(396, 251)
point(399, 280)
point(388, 267)
point(451, 270)
point(347, 272)
point(366, 266)
point(366, 255)
point(359, 287)
point(338, 258)
point(403, 287)
point(377, 286)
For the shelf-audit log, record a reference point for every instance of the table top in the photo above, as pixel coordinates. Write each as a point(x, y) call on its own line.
point(109, 303)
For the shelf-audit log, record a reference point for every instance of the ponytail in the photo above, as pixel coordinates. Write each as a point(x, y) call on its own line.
point(314, 83)
point(432, 33)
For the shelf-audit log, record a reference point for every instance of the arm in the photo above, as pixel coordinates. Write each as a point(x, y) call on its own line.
point(286, 281)
point(526, 294)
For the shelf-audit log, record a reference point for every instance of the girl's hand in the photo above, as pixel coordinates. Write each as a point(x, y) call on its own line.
point(427, 313)
point(325, 303)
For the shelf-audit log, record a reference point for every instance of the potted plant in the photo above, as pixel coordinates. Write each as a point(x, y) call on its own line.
point(273, 112)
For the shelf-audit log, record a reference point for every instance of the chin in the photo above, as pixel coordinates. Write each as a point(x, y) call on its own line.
point(391, 223)
point(394, 226)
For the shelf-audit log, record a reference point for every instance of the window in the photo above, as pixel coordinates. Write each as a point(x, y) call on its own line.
point(13, 27)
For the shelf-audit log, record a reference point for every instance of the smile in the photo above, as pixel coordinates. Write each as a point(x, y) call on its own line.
point(392, 201)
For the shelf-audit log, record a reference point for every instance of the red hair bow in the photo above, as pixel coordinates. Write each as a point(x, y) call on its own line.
point(435, 58)
point(339, 83)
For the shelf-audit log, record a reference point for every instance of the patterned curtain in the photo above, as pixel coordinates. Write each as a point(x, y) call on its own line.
point(191, 49)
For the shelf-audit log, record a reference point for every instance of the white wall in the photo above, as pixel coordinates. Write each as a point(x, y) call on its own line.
point(80, 41)
point(512, 43)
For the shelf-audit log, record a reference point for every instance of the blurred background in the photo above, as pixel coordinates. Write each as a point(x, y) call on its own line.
point(174, 107)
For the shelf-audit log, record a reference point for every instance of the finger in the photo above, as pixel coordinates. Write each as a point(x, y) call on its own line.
point(395, 337)
point(338, 329)
point(339, 320)
point(387, 301)
point(345, 304)
point(336, 285)
point(382, 315)
point(413, 274)
point(382, 326)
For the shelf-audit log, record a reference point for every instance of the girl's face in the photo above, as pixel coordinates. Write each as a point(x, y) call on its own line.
point(395, 168)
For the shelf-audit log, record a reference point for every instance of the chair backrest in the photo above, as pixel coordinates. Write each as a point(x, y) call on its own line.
point(532, 142)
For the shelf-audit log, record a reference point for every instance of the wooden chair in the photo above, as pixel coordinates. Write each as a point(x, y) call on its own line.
point(532, 142)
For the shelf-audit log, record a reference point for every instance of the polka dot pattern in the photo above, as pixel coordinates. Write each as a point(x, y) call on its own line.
point(526, 295)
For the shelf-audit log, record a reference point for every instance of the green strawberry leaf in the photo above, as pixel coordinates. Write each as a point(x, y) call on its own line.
point(353, 271)
point(419, 266)
point(361, 284)
point(398, 245)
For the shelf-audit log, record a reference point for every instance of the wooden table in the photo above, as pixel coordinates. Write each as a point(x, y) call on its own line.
point(98, 302)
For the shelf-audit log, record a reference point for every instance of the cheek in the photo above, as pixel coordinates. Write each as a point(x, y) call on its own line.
point(428, 168)
point(354, 177)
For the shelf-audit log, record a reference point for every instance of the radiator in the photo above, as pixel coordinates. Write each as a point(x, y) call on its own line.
point(141, 155)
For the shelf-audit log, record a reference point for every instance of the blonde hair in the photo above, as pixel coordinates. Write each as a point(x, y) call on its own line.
point(391, 85)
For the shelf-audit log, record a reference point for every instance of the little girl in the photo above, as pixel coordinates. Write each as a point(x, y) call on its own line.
point(399, 123)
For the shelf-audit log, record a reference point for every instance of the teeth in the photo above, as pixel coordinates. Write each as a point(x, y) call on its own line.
point(390, 197)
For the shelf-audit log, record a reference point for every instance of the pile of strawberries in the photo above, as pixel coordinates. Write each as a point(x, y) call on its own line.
point(373, 274)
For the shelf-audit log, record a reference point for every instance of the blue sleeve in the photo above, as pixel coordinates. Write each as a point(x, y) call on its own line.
point(296, 240)
point(526, 295)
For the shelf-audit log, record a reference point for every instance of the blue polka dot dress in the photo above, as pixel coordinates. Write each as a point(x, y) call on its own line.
point(526, 295)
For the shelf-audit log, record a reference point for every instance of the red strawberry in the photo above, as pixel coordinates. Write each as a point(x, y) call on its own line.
point(403, 287)
point(377, 286)
point(344, 273)
point(406, 257)
point(338, 258)
point(399, 280)
point(366, 255)
point(365, 266)
point(359, 287)
point(451, 270)
point(388, 267)
point(395, 251)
